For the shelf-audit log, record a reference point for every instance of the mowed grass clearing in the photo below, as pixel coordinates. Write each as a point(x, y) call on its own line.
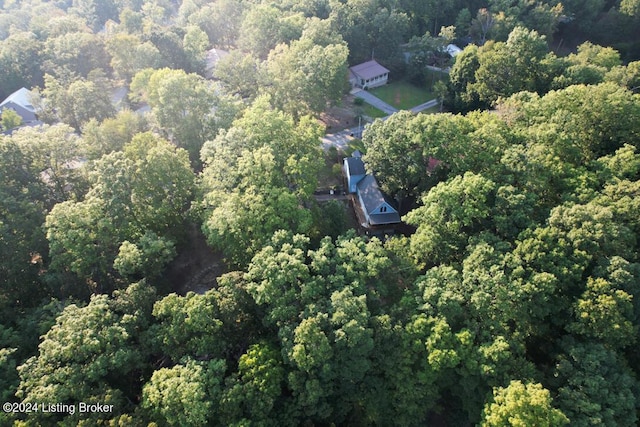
point(402, 94)
point(373, 112)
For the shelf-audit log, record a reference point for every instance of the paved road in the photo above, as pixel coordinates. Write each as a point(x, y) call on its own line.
point(340, 140)
point(424, 106)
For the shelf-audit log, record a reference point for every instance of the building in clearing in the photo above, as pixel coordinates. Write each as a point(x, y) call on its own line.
point(368, 75)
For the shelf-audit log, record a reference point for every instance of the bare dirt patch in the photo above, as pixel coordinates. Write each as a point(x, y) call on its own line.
point(341, 116)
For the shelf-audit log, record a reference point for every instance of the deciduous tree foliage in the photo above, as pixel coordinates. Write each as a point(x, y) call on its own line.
point(183, 395)
point(92, 354)
point(522, 405)
point(306, 76)
point(24, 202)
point(147, 188)
point(185, 107)
point(515, 300)
point(258, 176)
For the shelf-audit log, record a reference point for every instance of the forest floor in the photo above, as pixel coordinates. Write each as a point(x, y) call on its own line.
point(197, 266)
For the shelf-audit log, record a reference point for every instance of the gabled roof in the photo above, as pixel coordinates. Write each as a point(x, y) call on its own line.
point(372, 197)
point(368, 70)
point(453, 50)
point(355, 166)
point(21, 97)
point(213, 57)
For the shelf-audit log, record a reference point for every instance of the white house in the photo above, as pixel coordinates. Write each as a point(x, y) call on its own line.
point(368, 75)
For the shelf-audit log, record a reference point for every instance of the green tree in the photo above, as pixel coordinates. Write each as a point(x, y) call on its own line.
point(596, 386)
point(79, 101)
point(146, 188)
point(593, 132)
point(57, 153)
point(74, 54)
point(221, 21)
point(522, 63)
point(94, 12)
point(146, 258)
point(188, 326)
point(92, 354)
point(129, 55)
point(368, 25)
point(522, 405)
point(10, 119)
point(630, 7)
point(22, 212)
point(451, 211)
point(588, 66)
point(112, 134)
point(461, 78)
point(184, 106)
point(252, 393)
point(20, 62)
point(240, 74)
point(183, 395)
point(628, 76)
point(243, 222)
point(196, 43)
point(432, 146)
point(306, 77)
point(264, 26)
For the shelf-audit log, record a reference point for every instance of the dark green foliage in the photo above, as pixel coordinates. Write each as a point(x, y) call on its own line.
point(513, 298)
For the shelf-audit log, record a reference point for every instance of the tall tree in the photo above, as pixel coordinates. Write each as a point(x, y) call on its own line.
point(522, 404)
point(186, 108)
point(147, 188)
point(77, 102)
point(91, 355)
point(307, 77)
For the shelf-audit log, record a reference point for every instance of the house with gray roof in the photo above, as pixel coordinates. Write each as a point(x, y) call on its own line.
point(373, 206)
point(368, 75)
point(377, 207)
point(20, 102)
point(213, 57)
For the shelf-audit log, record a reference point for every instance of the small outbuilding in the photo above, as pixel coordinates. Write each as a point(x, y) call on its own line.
point(368, 75)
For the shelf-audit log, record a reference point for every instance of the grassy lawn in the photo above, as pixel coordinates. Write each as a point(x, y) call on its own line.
point(373, 112)
point(402, 94)
point(432, 110)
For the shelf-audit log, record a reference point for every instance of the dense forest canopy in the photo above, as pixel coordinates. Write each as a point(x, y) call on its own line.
point(156, 162)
